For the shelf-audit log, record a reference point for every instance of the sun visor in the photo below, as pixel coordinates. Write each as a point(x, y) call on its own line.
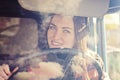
point(88, 8)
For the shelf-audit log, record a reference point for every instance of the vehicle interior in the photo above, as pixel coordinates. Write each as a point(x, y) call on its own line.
point(20, 21)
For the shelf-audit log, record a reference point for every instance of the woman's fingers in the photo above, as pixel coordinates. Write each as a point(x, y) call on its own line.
point(3, 74)
point(5, 71)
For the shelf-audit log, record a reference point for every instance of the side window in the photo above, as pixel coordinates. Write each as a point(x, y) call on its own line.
point(112, 24)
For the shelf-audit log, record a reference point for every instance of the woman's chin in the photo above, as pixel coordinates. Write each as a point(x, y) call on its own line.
point(56, 46)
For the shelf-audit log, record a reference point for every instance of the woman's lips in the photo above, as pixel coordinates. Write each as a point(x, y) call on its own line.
point(54, 43)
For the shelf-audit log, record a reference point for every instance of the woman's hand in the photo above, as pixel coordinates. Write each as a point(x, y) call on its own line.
point(5, 72)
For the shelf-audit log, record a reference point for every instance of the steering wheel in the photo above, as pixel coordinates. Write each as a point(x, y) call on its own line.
point(66, 58)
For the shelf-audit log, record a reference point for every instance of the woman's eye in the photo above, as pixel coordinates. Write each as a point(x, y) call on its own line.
point(67, 31)
point(52, 27)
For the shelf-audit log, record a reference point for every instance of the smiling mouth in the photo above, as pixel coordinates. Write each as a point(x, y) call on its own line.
point(57, 44)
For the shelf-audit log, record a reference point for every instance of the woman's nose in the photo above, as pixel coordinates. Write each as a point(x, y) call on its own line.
point(57, 35)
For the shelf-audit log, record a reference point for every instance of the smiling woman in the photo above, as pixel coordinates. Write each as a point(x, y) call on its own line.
point(70, 32)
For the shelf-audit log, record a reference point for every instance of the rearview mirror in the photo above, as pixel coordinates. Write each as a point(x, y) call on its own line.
point(88, 8)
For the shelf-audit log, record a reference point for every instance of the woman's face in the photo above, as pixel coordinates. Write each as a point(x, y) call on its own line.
point(61, 32)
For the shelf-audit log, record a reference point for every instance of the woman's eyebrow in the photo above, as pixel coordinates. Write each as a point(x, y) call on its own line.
point(67, 28)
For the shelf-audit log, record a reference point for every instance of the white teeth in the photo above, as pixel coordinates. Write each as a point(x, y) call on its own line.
point(56, 43)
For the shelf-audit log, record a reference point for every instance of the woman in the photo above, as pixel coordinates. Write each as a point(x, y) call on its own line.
point(69, 32)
